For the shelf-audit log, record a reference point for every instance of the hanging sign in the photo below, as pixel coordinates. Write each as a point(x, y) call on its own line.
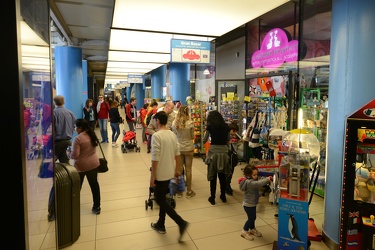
point(188, 51)
point(275, 50)
point(135, 78)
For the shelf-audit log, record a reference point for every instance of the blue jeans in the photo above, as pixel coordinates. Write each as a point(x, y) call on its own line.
point(115, 131)
point(103, 129)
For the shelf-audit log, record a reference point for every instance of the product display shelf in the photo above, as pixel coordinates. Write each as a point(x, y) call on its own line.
point(314, 119)
point(231, 111)
point(198, 116)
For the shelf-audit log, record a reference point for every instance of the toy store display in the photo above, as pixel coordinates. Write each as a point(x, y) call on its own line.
point(230, 108)
point(357, 228)
point(198, 116)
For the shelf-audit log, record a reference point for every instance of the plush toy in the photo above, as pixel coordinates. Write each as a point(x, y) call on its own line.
point(356, 191)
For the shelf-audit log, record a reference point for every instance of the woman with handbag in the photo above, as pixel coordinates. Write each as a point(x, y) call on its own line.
point(86, 161)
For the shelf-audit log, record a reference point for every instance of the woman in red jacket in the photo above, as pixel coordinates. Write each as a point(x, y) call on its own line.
point(143, 113)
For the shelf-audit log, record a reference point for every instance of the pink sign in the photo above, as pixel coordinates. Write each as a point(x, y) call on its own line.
point(275, 50)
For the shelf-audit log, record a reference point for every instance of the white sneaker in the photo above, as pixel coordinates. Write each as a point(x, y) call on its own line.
point(115, 145)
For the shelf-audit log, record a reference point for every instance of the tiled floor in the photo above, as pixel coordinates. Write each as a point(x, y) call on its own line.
point(124, 222)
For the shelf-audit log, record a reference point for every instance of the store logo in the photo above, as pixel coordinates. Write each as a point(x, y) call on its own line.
point(275, 50)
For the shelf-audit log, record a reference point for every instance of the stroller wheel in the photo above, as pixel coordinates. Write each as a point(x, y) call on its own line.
point(138, 149)
point(146, 204)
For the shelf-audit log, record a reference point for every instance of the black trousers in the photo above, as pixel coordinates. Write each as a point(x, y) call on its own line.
point(223, 184)
point(160, 191)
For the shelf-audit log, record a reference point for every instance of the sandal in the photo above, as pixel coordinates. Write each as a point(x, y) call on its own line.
point(247, 236)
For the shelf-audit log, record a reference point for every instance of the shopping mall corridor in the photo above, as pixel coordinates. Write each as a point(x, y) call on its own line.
point(124, 222)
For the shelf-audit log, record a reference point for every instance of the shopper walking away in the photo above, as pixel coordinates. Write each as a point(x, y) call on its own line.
point(217, 156)
point(131, 113)
point(114, 120)
point(165, 150)
point(249, 185)
point(86, 161)
point(183, 127)
point(64, 122)
point(143, 114)
point(152, 109)
point(102, 108)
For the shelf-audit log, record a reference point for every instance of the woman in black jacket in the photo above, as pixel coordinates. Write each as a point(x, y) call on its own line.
point(217, 158)
point(115, 119)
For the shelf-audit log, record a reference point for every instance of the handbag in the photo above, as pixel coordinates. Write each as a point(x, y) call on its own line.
point(103, 164)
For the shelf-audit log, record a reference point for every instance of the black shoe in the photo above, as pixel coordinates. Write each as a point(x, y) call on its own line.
point(51, 217)
point(160, 230)
point(148, 151)
point(211, 200)
point(96, 210)
point(183, 230)
point(229, 191)
point(223, 198)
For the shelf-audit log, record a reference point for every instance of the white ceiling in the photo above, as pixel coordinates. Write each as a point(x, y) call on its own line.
point(104, 27)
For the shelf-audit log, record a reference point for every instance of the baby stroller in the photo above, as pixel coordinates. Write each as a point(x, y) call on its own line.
point(129, 142)
point(170, 196)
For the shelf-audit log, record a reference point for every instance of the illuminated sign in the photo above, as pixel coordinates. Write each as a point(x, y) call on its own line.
point(188, 51)
point(275, 50)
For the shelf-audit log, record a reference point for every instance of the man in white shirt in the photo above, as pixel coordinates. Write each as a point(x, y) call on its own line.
point(165, 150)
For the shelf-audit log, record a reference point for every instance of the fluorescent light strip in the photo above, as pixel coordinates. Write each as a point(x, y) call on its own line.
point(130, 65)
point(127, 56)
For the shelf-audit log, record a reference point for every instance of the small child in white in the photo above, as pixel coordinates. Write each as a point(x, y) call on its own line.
point(250, 185)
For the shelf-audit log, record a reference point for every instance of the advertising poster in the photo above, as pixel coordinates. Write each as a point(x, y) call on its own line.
point(293, 224)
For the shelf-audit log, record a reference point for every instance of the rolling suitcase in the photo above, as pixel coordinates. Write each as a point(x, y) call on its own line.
point(68, 186)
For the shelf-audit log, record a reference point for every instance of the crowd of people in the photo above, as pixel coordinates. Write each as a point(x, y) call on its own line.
point(168, 131)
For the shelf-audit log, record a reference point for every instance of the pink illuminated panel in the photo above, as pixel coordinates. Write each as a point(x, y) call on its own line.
point(275, 50)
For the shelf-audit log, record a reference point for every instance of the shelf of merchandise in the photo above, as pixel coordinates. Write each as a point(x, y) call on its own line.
point(231, 112)
point(198, 116)
point(314, 119)
point(273, 107)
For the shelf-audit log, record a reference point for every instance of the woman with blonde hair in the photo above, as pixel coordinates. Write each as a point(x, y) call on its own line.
point(183, 127)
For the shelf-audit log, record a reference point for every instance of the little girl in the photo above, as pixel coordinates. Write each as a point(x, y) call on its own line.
point(250, 186)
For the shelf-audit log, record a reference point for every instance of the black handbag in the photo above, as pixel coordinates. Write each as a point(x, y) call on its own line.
point(103, 164)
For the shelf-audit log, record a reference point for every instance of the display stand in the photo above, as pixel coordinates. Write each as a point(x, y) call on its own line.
point(198, 116)
point(293, 205)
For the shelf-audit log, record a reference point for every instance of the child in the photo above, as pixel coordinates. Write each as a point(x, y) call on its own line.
point(250, 186)
point(234, 142)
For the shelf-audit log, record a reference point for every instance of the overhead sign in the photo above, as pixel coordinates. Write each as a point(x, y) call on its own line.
point(135, 78)
point(276, 49)
point(189, 51)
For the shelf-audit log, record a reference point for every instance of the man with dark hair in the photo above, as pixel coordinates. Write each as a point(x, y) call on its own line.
point(165, 149)
point(131, 113)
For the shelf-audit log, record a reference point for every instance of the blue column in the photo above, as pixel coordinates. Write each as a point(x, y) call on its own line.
point(85, 86)
point(139, 95)
point(69, 81)
point(179, 77)
point(351, 86)
point(158, 79)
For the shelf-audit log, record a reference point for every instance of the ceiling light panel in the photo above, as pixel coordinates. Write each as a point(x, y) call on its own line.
point(209, 17)
point(138, 57)
point(130, 65)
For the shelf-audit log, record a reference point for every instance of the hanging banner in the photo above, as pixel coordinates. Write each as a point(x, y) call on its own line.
point(275, 50)
point(188, 51)
point(135, 78)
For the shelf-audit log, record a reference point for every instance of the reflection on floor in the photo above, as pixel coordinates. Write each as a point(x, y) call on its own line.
point(124, 222)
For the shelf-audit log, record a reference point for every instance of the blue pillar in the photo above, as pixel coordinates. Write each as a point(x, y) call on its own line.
point(158, 79)
point(179, 77)
point(351, 86)
point(139, 95)
point(129, 92)
point(85, 86)
point(69, 81)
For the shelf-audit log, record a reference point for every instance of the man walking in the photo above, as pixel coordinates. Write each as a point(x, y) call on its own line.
point(131, 113)
point(64, 121)
point(165, 149)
